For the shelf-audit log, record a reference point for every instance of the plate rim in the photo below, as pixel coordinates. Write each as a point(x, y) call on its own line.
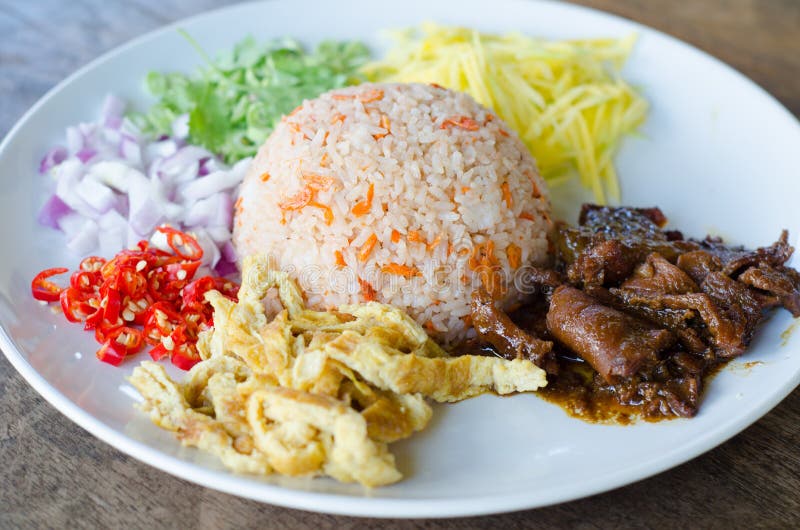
point(364, 506)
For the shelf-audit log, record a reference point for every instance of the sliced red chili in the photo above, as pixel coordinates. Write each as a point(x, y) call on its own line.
point(75, 304)
point(45, 290)
point(194, 293)
point(183, 271)
point(92, 264)
point(197, 322)
point(111, 352)
point(158, 352)
point(130, 338)
point(111, 304)
point(182, 244)
point(160, 321)
point(93, 320)
point(185, 356)
point(130, 282)
point(105, 330)
point(134, 259)
point(144, 286)
point(161, 288)
point(107, 316)
point(86, 281)
point(135, 309)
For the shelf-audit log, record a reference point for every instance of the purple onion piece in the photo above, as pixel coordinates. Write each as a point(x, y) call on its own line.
point(224, 268)
point(74, 140)
point(210, 184)
point(112, 122)
point(113, 107)
point(53, 158)
point(86, 154)
point(84, 240)
point(204, 167)
point(52, 211)
point(224, 215)
point(229, 252)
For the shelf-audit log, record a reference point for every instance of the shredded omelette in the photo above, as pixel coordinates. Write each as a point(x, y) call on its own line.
point(310, 393)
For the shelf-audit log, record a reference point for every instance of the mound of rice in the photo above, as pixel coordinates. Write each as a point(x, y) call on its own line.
point(408, 194)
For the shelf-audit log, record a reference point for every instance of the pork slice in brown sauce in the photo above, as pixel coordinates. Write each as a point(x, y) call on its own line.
point(495, 327)
point(611, 242)
point(656, 275)
point(698, 263)
point(603, 263)
point(536, 279)
point(780, 282)
point(616, 345)
point(737, 259)
point(729, 310)
point(623, 221)
point(678, 321)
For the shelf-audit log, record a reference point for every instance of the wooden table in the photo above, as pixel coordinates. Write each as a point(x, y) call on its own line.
point(54, 474)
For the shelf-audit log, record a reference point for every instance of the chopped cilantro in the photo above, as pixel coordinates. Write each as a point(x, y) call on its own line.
point(234, 101)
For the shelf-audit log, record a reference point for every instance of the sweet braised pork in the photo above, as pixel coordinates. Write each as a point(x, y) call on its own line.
point(498, 330)
point(615, 344)
point(645, 311)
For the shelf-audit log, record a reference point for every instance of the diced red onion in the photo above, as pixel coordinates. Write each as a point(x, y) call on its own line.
point(84, 240)
point(113, 233)
point(113, 122)
point(113, 188)
point(203, 167)
point(229, 252)
point(53, 210)
point(53, 157)
point(71, 223)
point(97, 195)
point(203, 211)
point(68, 180)
point(85, 154)
point(113, 107)
point(74, 140)
point(224, 214)
point(211, 253)
point(184, 165)
point(131, 151)
point(225, 268)
point(145, 212)
point(213, 165)
point(160, 149)
point(220, 234)
point(209, 185)
point(111, 139)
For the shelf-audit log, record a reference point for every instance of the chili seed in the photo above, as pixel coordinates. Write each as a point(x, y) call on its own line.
point(168, 343)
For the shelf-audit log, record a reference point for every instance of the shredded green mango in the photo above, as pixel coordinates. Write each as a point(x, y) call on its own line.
point(565, 99)
point(236, 100)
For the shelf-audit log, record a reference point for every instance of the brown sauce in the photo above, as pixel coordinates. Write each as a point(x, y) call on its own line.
point(573, 390)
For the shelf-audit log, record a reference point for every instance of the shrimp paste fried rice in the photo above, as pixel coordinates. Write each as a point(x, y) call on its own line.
point(409, 194)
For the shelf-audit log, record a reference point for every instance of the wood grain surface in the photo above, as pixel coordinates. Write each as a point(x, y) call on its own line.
point(53, 474)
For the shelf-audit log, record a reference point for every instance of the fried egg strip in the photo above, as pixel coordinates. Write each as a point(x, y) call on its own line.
point(164, 401)
point(304, 433)
point(441, 379)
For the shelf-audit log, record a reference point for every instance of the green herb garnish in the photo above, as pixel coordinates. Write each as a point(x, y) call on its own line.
point(235, 101)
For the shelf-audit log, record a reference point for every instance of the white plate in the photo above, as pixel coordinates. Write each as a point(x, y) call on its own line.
point(718, 154)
